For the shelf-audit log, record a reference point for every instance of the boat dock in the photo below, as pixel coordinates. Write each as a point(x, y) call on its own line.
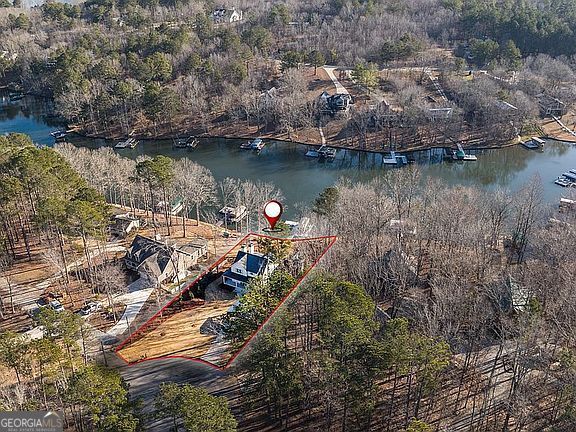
point(129, 143)
point(394, 159)
point(257, 144)
point(189, 142)
point(461, 155)
point(324, 152)
point(534, 143)
point(567, 179)
point(59, 135)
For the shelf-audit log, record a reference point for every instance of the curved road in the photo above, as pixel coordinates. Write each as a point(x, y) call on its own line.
point(145, 378)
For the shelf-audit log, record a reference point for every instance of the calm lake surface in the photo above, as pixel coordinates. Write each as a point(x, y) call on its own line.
point(301, 179)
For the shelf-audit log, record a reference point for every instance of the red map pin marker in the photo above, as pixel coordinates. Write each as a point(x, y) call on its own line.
point(272, 212)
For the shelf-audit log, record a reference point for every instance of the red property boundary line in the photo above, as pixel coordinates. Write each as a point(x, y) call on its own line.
point(204, 273)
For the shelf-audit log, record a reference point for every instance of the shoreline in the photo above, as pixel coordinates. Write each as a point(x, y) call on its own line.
point(75, 129)
point(340, 147)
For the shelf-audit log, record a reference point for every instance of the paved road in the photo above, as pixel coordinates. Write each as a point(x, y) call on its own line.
point(144, 380)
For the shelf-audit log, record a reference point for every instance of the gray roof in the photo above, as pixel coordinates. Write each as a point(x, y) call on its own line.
point(155, 254)
point(253, 263)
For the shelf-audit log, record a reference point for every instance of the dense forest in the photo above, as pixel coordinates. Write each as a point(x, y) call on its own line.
point(163, 68)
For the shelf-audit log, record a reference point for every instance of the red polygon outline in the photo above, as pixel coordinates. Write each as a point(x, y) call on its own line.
point(209, 269)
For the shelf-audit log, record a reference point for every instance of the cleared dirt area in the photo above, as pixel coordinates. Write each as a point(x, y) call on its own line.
point(178, 335)
point(553, 130)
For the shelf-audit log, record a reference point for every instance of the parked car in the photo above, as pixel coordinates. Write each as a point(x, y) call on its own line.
point(90, 308)
point(56, 306)
point(42, 302)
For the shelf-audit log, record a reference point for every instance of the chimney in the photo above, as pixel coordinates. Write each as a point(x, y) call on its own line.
point(251, 247)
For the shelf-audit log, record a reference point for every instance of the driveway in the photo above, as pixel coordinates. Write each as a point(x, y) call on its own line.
point(134, 299)
point(339, 87)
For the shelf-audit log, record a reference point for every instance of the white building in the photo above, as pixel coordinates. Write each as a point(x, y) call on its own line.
point(223, 15)
point(247, 266)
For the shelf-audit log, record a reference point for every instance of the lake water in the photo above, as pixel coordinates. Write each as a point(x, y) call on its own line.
point(301, 179)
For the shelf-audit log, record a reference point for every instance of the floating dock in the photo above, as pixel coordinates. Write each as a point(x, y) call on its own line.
point(129, 143)
point(395, 159)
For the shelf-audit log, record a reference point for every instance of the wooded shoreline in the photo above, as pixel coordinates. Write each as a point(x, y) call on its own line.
point(310, 144)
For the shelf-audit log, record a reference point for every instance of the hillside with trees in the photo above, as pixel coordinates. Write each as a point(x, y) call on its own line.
point(156, 68)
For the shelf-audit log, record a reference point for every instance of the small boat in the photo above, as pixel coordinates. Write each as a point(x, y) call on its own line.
point(394, 159)
point(461, 155)
point(129, 143)
point(192, 142)
point(257, 144)
point(246, 145)
point(58, 135)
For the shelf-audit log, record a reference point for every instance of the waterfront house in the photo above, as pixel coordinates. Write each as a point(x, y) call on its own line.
point(567, 206)
point(176, 206)
point(551, 106)
point(161, 262)
point(229, 16)
point(336, 102)
point(232, 214)
point(247, 266)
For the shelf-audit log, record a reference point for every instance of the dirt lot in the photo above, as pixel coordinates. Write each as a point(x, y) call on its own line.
point(178, 335)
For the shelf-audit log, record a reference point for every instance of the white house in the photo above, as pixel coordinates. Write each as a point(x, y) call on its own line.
point(223, 15)
point(247, 266)
point(124, 224)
